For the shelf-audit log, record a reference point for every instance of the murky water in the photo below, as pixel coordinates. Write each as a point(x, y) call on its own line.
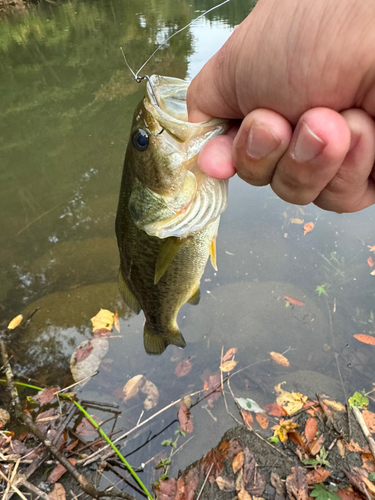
point(66, 102)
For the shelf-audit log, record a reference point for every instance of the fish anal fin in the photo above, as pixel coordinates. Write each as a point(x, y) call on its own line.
point(167, 252)
point(213, 253)
point(157, 343)
point(196, 296)
point(127, 295)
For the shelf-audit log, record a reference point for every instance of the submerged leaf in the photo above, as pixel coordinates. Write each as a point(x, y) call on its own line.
point(247, 417)
point(296, 221)
point(185, 419)
point(228, 366)
point(183, 368)
point(262, 420)
point(132, 386)
point(104, 319)
point(15, 322)
point(249, 405)
point(275, 410)
point(366, 339)
point(229, 354)
point(294, 301)
point(279, 359)
point(46, 395)
point(152, 392)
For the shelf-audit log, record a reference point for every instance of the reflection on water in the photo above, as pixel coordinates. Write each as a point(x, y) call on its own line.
point(66, 103)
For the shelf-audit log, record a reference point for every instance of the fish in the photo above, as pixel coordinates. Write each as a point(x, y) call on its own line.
point(168, 211)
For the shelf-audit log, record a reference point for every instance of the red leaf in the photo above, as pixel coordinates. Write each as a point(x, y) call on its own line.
point(185, 419)
point(311, 429)
point(247, 417)
point(85, 428)
point(366, 339)
point(83, 352)
point(229, 354)
point(59, 470)
point(167, 489)
point(370, 262)
point(275, 410)
point(293, 301)
point(45, 396)
point(212, 388)
point(317, 476)
point(183, 368)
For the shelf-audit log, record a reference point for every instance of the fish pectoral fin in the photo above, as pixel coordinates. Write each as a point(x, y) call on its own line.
point(128, 296)
point(157, 343)
point(213, 253)
point(196, 297)
point(168, 251)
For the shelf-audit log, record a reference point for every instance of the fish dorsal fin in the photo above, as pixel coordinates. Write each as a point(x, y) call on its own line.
point(167, 252)
point(128, 296)
point(196, 297)
point(213, 253)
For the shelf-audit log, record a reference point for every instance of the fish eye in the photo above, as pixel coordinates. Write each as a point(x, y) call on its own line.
point(140, 140)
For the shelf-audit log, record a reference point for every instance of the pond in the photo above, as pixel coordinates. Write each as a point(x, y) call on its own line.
point(66, 105)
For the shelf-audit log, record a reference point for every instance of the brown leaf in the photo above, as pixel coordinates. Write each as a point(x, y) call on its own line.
point(349, 494)
point(234, 447)
point(187, 484)
point(225, 484)
point(185, 419)
point(214, 458)
point(237, 462)
point(293, 301)
point(279, 359)
point(15, 322)
point(275, 410)
point(254, 481)
point(71, 446)
point(368, 462)
point(58, 471)
point(247, 417)
point(228, 366)
point(369, 418)
point(296, 484)
point(353, 446)
point(341, 447)
point(262, 420)
point(229, 354)
point(83, 352)
point(152, 392)
point(132, 386)
point(116, 321)
point(311, 428)
point(167, 489)
point(183, 368)
point(298, 441)
point(46, 418)
point(309, 226)
point(45, 396)
point(85, 428)
point(243, 495)
point(370, 262)
point(333, 404)
point(366, 339)
point(317, 476)
point(212, 387)
point(278, 485)
point(58, 492)
point(316, 445)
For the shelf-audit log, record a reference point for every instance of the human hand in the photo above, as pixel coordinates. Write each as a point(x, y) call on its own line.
point(301, 77)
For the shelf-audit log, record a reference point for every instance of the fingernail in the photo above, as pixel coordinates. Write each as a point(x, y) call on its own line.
point(261, 141)
point(307, 145)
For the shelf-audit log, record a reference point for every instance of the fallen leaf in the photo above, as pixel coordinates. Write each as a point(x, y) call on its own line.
point(281, 430)
point(225, 484)
point(228, 366)
point(254, 481)
point(369, 418)
point(116, 321)
point(317, 476)
point(72, 445)
point(84, 352)
point(15, 322)
point(212, 461)
point(167, 489)
point(187, 484)
point(352, 446)
point(368, 462)
point(309, 226)
point(366, 339)
point(370, 262)
point(104, 319)
point(262, 420)
point(183, 368)
point(297, 221)
point(152, 399)
point(212, 387)
point(131, 388)
point(349, 494)
point(85, 427)
point(294, 301)
point(249, 405)
point(316, 445)
point(90, 354)
point(373, 273)
point(46, 395)
point(229, 354)
point(279, 359)
point(185, 419)
point(361, 475)
point(237, 462)
point(311, 428)
point(275, 410)
point(247, 417)
point(278, 484)
point(371, 248)
point(58, 471)
point(239, 481)
point(341, 447)
point(44, 419)
point(243, 495)
point(58, 492)
point(333, 404)
point(296, 484)
point(290, 401)
point(320, 493)
point(4, 417)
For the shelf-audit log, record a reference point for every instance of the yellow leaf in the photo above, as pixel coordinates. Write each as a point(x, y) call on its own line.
point(116, 321)
point(238, 462)
point(281, 430)
point(297, 221)
point(15, 322)
point(334, 404)
point(243, 495)
point(104, 319)
point(372, 249)
point(229, 353)
point(228, 366)
point(290, 401)
point(132, 386)
point(279, 359)
point(373, 273)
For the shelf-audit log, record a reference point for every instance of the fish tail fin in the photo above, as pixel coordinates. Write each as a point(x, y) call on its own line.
point(156, 343)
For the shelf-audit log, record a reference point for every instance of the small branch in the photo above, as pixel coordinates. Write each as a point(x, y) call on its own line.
point(358, 415)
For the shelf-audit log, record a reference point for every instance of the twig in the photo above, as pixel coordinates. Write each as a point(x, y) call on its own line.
point(26, 419)
point(76, 383)
point(12, 486)
point(204, 482)
point(33, 488)
point(359, 417)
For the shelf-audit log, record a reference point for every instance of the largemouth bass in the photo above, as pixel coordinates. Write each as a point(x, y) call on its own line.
point(168, 213)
